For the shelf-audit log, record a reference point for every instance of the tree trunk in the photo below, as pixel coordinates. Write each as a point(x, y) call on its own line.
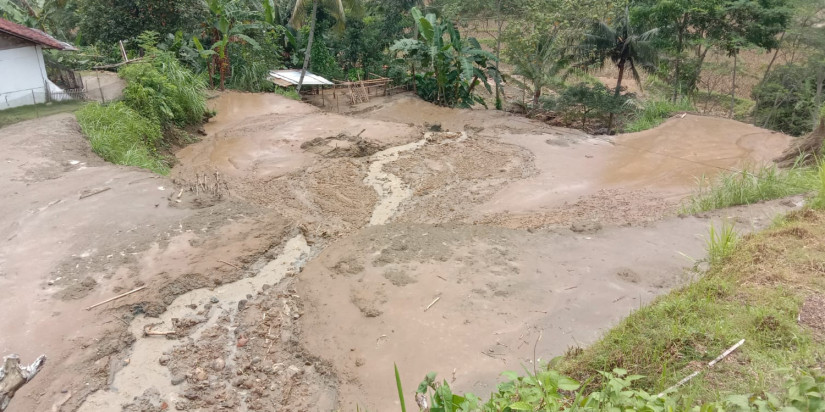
point(415, 85)
point(308, 52)
point(500, 23)
point(820, 83)
point(676, 79)
point(733, 87)
point(616, 93)
point(773, 59)
point(536, 96)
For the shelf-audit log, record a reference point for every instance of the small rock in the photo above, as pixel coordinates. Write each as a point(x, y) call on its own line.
point(218, 364)
point(256, 360)
point(200, 374)
point(178, 379)
point(241, 304)
point(360, 361)
point(164, 359)
point(242, 340)
point(214, 299)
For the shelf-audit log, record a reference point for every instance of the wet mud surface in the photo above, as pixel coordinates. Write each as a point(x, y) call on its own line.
point(291, 256)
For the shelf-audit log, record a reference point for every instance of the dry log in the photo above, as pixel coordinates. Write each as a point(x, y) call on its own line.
point(805, 151)
point(13, 376)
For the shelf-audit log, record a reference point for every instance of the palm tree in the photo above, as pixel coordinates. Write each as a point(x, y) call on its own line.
point(623, 47)
point(542, 64)
point(298, 15)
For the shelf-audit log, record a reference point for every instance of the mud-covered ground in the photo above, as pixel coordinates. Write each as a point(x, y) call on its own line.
point(291, 256)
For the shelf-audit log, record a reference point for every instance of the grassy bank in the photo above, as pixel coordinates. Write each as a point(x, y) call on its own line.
point(655, 112)
point(753, 185)
point(757, 293)
point(19, 114)
point(161, 98)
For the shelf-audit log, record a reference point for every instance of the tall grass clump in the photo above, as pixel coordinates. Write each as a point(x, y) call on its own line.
point(818, 201)
point(751, 185)
point(121, 135)
point(721, 243)
point(655, 112)
point(161, 89)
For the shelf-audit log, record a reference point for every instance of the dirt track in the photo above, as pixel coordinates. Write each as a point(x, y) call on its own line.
point(340, 236)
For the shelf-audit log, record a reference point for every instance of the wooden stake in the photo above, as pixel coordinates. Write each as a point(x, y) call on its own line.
point(116, 297)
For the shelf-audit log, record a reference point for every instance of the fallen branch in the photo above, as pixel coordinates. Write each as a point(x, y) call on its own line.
point(96, 192)
point(710, 365)
point(147, 331)
point(431, 304)
point(13, 376)
point(116, 297)
point(227, 263)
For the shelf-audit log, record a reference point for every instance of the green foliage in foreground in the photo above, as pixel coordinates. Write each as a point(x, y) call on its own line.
point(655, 112)
point(751, 186)
point(549, 391)
point(121, 135)
point(754, 292)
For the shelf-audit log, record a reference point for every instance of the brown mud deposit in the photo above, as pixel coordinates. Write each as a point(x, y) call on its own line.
point(292, 253)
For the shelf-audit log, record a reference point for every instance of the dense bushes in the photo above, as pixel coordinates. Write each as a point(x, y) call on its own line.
point(121, 135)
point(162, 90)
point(161, 97)
point(787, 100)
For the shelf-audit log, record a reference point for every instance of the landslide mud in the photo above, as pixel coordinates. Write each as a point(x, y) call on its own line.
point(293, 252)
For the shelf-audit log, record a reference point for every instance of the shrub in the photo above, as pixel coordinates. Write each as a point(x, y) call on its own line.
point(785, 100)
point(585, 101)
point(654, 112)
point(122, 136)
point(159, 88)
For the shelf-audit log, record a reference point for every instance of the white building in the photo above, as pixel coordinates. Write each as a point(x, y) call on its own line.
point(23, 77)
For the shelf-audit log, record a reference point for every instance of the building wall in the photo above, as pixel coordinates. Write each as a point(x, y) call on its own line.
point(22, 75)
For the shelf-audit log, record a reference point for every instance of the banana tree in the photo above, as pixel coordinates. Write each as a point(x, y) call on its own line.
point(452, 67)
point(222, 31)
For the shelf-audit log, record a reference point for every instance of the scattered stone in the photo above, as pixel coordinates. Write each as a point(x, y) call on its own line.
point(163, 360)
point(241, 304)
point(586, 227)
point(213, 299)
point(178, 379)
point(242, 340)
point(200, 374)
point(360, 361)
point(218, 364)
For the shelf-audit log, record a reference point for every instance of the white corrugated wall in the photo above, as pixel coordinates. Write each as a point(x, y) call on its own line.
point(22, 77)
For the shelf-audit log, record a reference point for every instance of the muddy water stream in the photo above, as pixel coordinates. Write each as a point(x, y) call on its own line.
point(144, 370)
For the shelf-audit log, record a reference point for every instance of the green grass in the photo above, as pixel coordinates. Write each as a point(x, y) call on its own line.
point(19, 114)
point(289, 93)
point(751, 186)
point(120, 135)
point(655, 112)
point(721, 243)
point(754, 294)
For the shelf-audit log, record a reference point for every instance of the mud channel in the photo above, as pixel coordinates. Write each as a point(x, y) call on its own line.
point(294, 255)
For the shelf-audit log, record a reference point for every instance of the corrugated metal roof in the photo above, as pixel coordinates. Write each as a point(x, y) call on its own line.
point(32, 35)
point(292, 76)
